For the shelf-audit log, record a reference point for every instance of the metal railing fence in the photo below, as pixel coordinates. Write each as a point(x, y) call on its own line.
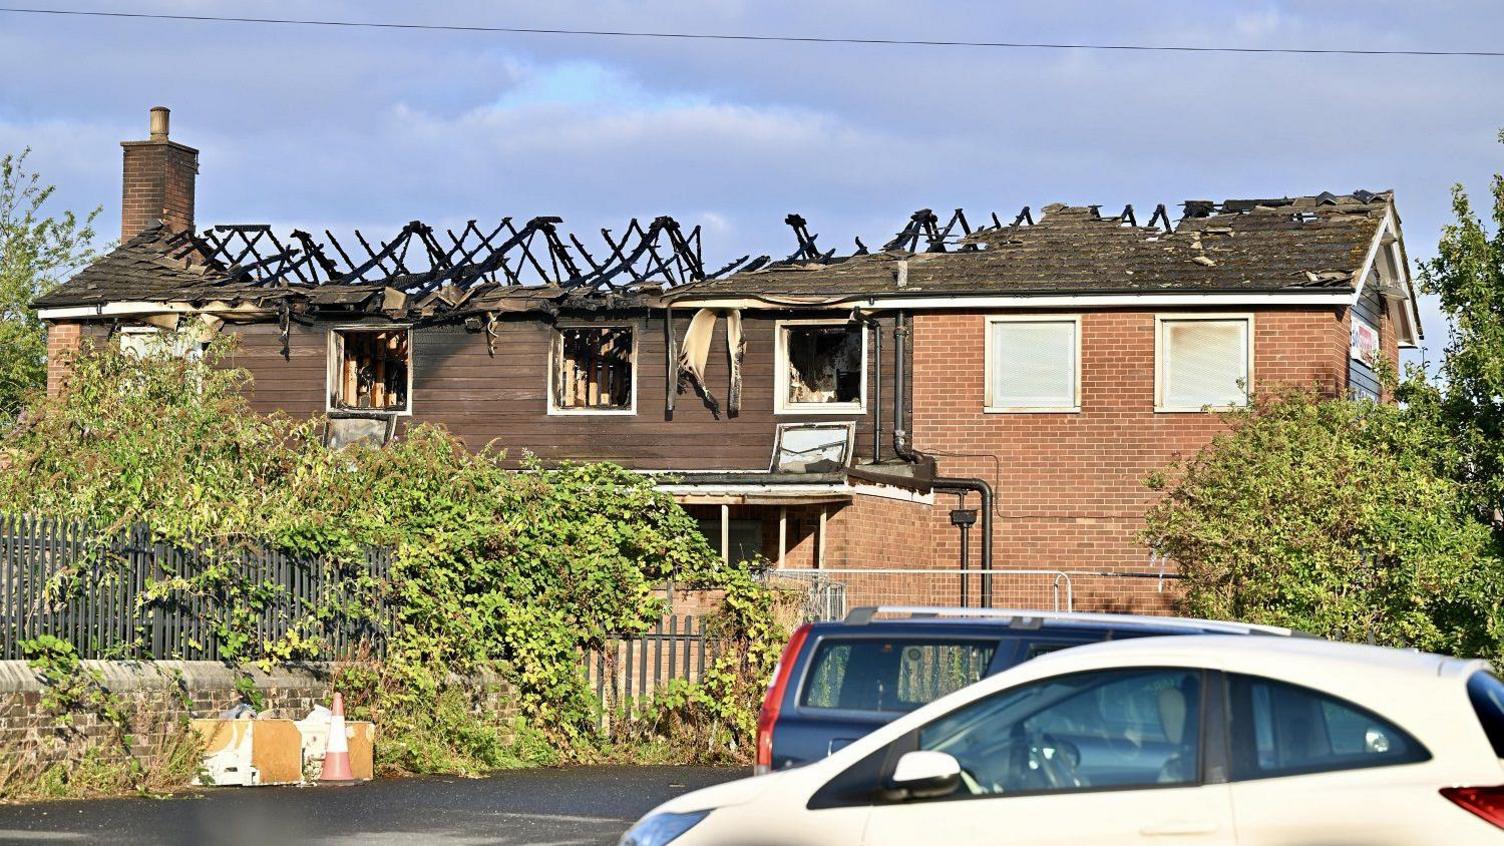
point(121, 594)
point(832, 592)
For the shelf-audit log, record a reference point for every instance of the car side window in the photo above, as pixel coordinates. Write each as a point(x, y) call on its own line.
point(1281, 729)
point(1104, 729)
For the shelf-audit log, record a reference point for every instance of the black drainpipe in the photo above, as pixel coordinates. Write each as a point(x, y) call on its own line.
point(877, 390)
point(940, 483)
point(957, 484)
point(900, 430)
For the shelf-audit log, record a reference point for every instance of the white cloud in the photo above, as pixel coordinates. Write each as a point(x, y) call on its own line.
point(344, 127)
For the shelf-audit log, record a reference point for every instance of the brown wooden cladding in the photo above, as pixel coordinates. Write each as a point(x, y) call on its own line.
point(503, 398)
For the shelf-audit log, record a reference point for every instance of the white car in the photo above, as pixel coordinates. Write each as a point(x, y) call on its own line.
point(1180, 740)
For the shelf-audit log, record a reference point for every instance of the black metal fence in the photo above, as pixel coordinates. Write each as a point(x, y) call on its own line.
point(630, 670)
point(123, 595)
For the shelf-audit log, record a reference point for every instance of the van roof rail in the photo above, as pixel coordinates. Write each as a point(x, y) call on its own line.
point(1026, 619)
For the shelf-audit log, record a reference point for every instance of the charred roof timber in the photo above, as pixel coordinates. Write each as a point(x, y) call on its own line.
point(537, 264)
point(418, 261)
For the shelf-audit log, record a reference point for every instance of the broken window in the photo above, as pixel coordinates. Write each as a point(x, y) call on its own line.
point(593, 369)
point(812, 447)
point(370, 369)
point(823, 365)
point(341, 429)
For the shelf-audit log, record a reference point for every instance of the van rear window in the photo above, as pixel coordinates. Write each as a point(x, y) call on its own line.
point(891, 674)
point(1487, 695)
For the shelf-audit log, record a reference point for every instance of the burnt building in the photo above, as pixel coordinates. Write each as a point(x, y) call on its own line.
point(969, 391)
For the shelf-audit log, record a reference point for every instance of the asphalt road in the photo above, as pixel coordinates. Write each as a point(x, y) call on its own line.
point(587, 805)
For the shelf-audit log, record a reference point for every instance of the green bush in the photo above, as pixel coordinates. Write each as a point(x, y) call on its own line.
point(495, 569)
point(1337, 517)
point(714, 720)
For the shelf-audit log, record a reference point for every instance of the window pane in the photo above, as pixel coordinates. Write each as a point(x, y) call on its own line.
point(1118, 728)
point(824, 364)
point(1205, 362)
point(743, 536)
point(812, 448)
point(1282, 729)
point(594, 369)
point(874, 674)
point(1033, 365)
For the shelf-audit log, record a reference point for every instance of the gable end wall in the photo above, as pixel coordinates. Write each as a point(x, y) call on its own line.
point(1070, 487)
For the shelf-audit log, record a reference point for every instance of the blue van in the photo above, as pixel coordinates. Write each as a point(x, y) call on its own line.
point(838, 681)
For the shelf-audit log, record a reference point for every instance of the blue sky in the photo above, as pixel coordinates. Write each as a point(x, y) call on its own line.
point(339, 128)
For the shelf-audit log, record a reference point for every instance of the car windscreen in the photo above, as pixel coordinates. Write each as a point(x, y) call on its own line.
point(894, 674)
point(1486, 693)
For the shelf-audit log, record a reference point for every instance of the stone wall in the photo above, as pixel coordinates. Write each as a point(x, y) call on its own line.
point(157, 694)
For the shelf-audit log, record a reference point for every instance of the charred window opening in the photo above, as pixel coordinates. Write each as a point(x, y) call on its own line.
point(593, 369)
point(824, 365)
point(371, 370)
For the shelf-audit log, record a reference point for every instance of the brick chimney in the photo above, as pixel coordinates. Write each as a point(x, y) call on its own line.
point(158, 181)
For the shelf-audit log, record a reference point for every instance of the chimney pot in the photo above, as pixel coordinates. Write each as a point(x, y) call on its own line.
point(159, 119)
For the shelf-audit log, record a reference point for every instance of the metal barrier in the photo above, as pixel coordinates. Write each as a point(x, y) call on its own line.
point(830, 593)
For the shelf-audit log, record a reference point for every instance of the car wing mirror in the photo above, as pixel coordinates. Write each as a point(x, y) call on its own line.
point(924, 774)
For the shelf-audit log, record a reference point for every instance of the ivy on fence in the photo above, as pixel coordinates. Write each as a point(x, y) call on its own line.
point(491, 569)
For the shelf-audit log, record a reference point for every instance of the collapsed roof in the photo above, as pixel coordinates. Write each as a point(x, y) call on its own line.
point(1237, 246)
point(1314, 243)
point(507, 267)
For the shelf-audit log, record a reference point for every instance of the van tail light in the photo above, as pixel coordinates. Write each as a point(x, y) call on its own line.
point(772, 701)
point(1486, 802)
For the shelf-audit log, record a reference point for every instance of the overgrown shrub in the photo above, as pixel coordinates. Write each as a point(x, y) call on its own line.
point(495, 569)
point(143, 745)
point(714, 720)
point(1336, 517)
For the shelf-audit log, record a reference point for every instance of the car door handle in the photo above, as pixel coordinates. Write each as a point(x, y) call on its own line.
point(1179, 828)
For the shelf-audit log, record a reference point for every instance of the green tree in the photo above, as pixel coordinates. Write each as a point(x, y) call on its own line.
point(37, 252)
point(1468, 276)
point(1337, 517)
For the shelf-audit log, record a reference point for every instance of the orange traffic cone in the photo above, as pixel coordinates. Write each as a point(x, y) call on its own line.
point(337, 753)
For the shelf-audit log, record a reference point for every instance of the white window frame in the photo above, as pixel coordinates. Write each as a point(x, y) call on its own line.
point(781, 405)
point(1162, 363)
point(848, 425)
point(195, 354)
point(990, 363)
point(331, 357)
point(555, 357)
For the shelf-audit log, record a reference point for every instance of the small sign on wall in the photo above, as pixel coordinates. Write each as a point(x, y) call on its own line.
point(1364, 344)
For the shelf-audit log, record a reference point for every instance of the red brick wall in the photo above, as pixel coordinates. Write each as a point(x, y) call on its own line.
point(158, 184)
point(875, 531)
point(1070, 486)
point(63, 340)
